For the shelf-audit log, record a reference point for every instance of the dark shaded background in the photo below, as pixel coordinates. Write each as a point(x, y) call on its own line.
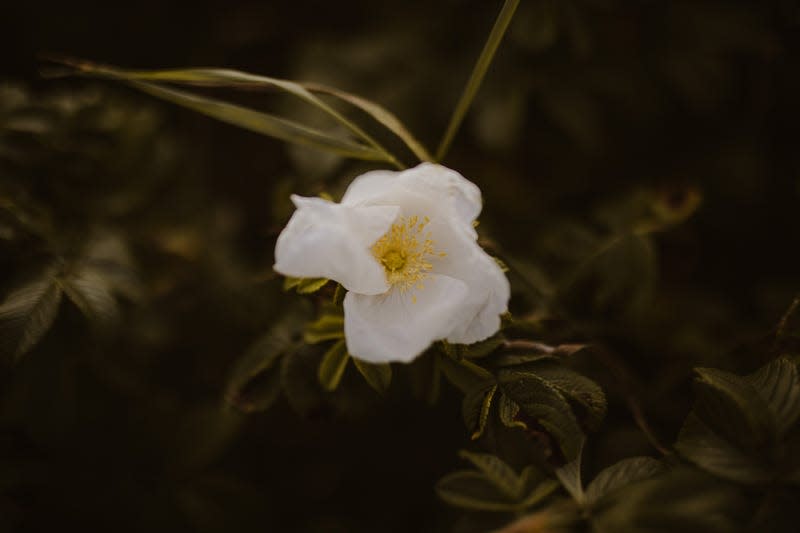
point(591, 108)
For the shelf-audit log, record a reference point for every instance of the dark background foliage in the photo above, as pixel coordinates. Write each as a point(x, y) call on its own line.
point(158, 225)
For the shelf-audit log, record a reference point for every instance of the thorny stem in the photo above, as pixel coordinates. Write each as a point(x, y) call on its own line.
point(528, 345)
point(478, 72)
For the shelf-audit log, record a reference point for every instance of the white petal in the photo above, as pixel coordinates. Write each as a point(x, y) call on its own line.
point(488, 287)
point(451, 193)
point(463, 195)
point(394, 327)
point(328, 240)
point(489, 292)
point(369, 185)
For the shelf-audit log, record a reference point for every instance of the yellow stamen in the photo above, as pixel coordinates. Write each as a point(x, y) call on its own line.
point(405, 252)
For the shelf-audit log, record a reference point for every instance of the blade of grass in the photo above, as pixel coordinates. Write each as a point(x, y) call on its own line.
point(478, 72)
point(213, 77)
point(380, 114)
point(264, 123)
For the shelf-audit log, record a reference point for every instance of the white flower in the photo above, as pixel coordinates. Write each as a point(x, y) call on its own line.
point(404, 246)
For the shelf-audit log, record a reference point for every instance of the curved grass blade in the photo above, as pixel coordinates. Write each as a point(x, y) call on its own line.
point(259, 122)
point(380, 114)
point(478, 72)
point(216, 77)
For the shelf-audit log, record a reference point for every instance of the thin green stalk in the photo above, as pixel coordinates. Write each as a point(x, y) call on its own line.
point(475, 79)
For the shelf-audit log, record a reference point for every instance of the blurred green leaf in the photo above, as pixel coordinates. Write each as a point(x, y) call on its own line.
point(254, 382)
point(103, 271)
point(679, 500)
point(495, 486)
point(27, 313)
point(464, 374)
point(338, 295)
point(333, 365)
point(778, 384)
point(304, 285)
point(730, 406)
point(482, 348)
point(326, 327)
point(472, 490)
point(617, 278)
point(536, 486)
point(378, 375)
point(204, 433)
point(92, 293)
point(426, 379)
point(570, 477)
point(621, 474)
point(698, 443)
point(496, 471)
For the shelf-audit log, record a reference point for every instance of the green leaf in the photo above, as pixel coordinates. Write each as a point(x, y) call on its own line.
point(536, 487)
point(338, 295)
point(778, 384)
point(475, 408)
point(311, 285)
point(290, 282)
point(472, 490)
point(730, 406)
point(92, 293)
point(481, 349)
point(425, 375)
point(575, 387)
point(254, 382)
point(570, 477)
point(108, 255)
point(333, 365)
point(545, 404)
point(378, 375)
point(462, 373)
point(27, 314)
point(496, 471)
point(326, 327)
point(507, 410)
point(260, 392)
point(700, 445)
point(616, 279)
point(304, 285)
point(203, 434)
point(679, 500)
point(623, 473)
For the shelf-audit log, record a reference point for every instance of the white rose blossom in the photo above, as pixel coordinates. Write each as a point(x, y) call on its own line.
point(404, 246)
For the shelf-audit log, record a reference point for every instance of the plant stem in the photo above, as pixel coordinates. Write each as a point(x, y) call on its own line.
point(475, 79)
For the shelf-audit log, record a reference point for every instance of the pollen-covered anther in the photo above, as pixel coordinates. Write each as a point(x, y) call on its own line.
point(405, 252)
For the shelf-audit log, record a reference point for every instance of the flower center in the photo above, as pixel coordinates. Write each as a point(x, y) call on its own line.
point(405, 252)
